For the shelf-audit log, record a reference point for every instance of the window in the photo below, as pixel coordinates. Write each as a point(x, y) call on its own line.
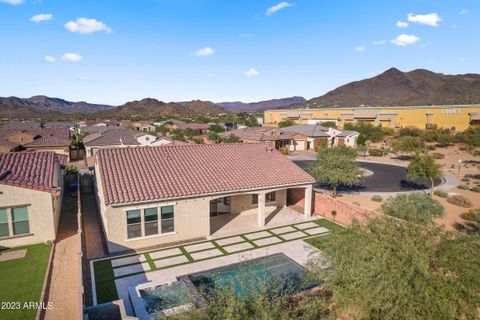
point(270, 197)
point(134, 225)
point(254, 198)
point(167, 219)
point(151, 221)
point(20, 221)
point(4, 223)
point(226, 201)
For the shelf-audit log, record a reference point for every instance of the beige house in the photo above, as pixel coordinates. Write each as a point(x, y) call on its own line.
point(30, 197)
point(151, 196)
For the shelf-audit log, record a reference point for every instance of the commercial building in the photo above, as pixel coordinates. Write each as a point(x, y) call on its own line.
point(449, 116)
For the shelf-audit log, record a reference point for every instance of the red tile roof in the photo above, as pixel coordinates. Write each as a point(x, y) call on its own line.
point(114, 137)
point(31, 170)
point(48, 141)
point(142, 174)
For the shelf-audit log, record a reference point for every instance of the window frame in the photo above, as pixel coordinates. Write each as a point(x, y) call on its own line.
point(143, 221)
point(271, 196)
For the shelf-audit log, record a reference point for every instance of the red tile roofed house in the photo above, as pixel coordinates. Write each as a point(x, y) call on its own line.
point(271, 135)
point(156, 195)
point(30, 197)
point(39, 139)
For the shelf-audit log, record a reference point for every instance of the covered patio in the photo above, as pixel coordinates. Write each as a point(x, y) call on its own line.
point(262, 213)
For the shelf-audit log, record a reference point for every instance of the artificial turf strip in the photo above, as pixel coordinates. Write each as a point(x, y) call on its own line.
point(102, 277)
point(21, 281)
point(104, 281)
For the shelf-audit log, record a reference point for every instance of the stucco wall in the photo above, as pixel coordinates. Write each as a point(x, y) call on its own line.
point(242, 204)
point(40, 214)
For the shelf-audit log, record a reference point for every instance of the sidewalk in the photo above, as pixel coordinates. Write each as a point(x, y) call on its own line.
point(64, 287)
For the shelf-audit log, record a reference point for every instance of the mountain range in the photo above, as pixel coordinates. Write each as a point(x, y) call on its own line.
point(392, 87)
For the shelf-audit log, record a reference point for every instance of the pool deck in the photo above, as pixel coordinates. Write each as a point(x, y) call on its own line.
point(160, 266)
point(298, 250)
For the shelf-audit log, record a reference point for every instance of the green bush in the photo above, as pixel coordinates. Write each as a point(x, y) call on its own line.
point(441, 194)
point(410, 131)
point(475, 189)
point(374, 152)
point(471, 215)
point(376, 198)
point(71, 170)
point(438, 155)
point(414, 207)
point(356, 203)
point(460, 201)
point(431, 147)
point(465, 179)
point(463, 187)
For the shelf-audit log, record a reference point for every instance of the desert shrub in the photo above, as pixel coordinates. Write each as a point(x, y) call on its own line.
point(377, 198)
point(410, 131)
point(460, 201)
point(371, 132)
point(463, 187)
point(414, 207)
point(441, 194)
point(471, 215)
point(475, 189)
point(71, 170)
point(356, 203)
point(473, 176)
point(374, 152)
point(438, 155)
point(431, 147)
point(284, 150)
point(465, 179)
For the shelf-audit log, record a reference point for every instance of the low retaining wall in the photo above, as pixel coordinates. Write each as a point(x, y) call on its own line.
point(346, 212)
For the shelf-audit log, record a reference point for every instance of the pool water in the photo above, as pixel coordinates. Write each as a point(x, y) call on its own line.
point(165, 297)
point(275, 272)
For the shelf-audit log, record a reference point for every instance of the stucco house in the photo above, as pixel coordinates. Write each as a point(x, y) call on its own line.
point(119, 137)
point(321, 136)
point(30, 197)
point(152, 196)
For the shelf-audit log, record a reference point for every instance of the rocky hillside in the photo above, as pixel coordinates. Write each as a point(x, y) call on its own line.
point(147, 107)
point(394, 87)
point(239, 106)
point(43, 106)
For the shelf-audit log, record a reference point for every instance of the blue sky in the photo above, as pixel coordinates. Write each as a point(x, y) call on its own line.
point(113, 51)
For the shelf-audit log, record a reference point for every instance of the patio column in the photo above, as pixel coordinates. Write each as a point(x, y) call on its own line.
point(261, 210)
point(308, 202)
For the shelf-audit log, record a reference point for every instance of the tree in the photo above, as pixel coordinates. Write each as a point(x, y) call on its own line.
point(189, 132)
point(329, 124)
point(162, 129)
point(371, 132)
point(177, 134)
point(414, 207)
point(424, 166)
point(213, 136)
point(336, 166)
point(286, 123)
point(408, 144)
point(388, 269)
point(231, 139)
point(216, 128)
point(361, 140)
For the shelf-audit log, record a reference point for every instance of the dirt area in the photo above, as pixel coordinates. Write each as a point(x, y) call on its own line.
point(450, 165)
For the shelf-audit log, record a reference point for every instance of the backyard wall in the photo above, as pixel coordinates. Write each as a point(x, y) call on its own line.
point(323, 205)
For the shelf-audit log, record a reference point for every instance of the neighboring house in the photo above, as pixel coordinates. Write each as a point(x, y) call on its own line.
point(347, 138)
point(270, 135)
point(119, 137)
point(30, 197)
point(99, 123)
point(320, 136)
point(152, 196)
point(39, 139)
point(144, 126)
point(170, 121)
point(201, 128)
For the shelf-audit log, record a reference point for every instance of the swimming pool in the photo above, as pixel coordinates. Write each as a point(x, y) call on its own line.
point(276, 273)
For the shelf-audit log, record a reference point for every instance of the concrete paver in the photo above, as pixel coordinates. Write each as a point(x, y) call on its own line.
point(128, 260)
point(206, 254)
point(267, 241)
point(165, 253)
point(135, 268)
point(238, 247)
point(170, 261)
point(199, 246)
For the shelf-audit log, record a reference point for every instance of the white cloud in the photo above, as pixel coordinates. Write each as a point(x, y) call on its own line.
point(251, 72)
point(49, 59)
point(379, 42)
point(72, 57)
point(405, 40)
point(277, 7)
point(464, 11)
point(86, 26)
point(12, 2)
point(431, 19)
point(401, 24)
point(204, 52)
point(42, 17)
point(360, 49)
